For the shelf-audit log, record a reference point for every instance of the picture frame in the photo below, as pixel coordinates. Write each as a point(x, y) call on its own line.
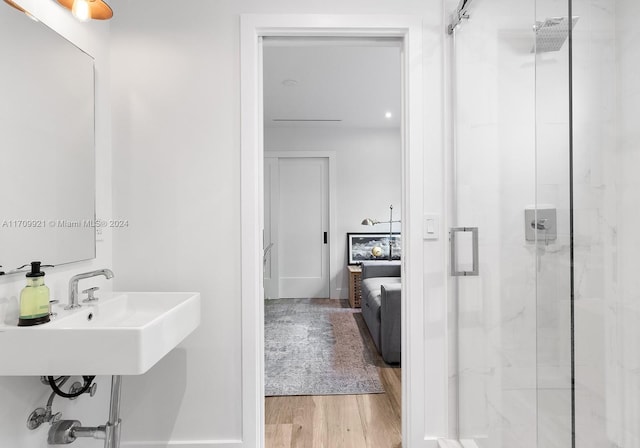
point(360, 247)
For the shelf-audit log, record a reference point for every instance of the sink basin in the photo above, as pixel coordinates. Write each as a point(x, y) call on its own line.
point(120, 334)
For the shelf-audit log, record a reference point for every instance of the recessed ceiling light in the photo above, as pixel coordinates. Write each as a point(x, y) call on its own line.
point(289, 83)
point(387, 115)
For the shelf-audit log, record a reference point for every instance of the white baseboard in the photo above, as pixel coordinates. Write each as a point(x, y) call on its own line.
point(185, 444)
point(442, 443)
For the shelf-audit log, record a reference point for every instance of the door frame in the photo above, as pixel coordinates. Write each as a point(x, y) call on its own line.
point(332, 210)
point(409, 29)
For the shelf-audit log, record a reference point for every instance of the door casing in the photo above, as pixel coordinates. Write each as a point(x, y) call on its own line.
point(409, 29)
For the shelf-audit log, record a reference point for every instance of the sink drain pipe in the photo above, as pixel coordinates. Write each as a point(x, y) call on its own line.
point(67, 431)
point(112, 430)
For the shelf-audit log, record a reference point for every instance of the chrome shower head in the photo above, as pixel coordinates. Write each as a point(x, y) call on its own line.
point(552, 33)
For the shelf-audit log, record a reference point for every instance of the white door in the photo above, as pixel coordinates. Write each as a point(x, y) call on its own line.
point(297, 223)
point(270, 259)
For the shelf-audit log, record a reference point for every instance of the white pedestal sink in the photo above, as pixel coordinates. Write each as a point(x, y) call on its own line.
point(123, 333)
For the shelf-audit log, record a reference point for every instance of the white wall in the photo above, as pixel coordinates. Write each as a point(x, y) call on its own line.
point(21, 395)
point(368, 180)
point(594, 211)
point(176, 109)
point(607, 312)
point(622, 314)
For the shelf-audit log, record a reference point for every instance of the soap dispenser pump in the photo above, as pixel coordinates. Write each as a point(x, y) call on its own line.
point(34, 299)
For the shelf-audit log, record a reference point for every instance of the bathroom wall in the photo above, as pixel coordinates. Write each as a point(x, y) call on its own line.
point(21, 395)
point(622, 315)
point(176, 112)
point(368, 180)
point(607, 319)
point(594, 208)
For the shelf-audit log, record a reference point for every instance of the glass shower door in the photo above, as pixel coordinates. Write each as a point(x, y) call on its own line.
point(494, 183)
point(510, 179)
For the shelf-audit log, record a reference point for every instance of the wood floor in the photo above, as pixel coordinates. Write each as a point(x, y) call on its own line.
point(337, 421)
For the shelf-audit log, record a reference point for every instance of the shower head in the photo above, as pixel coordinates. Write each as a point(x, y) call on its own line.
point(552, 33)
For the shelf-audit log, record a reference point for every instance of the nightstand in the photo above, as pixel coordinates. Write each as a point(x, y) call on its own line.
point(355, 290)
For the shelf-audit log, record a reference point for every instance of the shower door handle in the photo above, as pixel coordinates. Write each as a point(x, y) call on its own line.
point(475, 266)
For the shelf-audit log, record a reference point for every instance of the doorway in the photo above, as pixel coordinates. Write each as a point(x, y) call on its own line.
point(339, 96)
point(409, 30)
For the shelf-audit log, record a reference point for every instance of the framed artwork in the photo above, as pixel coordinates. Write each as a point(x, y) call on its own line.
point(372, 246)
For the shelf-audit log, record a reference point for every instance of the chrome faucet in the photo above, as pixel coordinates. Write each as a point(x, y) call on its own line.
point(73, 285)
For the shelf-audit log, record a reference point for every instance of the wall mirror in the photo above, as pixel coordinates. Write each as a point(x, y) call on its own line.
point(47, 146)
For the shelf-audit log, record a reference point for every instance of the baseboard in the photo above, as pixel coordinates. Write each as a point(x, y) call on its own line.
point(469, 444)
point(185, 444)
point(442, 443)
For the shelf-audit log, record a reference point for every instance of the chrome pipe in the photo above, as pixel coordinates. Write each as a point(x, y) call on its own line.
point(112, 429)
point(67, 431)
point(92, 432)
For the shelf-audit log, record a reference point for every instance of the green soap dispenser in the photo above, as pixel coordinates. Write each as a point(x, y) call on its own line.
point(34, 299)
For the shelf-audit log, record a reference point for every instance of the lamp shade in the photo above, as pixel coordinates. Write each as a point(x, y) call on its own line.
point(98, 9)
point(369, 222)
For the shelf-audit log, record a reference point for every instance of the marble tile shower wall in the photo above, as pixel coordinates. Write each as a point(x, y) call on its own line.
point(594, 209)
point(607, 223)
point(622, 316)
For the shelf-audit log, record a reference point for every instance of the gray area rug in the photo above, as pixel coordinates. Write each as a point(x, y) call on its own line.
point(318, 347)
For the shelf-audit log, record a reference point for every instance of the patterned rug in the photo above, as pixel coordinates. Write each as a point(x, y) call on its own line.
point(318, 347)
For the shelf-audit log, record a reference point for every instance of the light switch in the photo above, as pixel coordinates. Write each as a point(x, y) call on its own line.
point(431, 227)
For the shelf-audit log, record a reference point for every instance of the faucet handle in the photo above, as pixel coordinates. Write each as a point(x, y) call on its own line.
point(90, 294)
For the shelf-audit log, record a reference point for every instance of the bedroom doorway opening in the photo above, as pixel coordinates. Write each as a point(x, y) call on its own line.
point(409, 30)
point(332, 159)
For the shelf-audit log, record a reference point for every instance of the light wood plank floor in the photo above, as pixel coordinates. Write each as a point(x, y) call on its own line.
point(338, 421)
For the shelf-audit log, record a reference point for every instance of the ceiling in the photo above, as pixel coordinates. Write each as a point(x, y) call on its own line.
point(332, 82)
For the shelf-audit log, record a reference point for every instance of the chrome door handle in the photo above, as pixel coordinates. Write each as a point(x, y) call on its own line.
point(475, 267)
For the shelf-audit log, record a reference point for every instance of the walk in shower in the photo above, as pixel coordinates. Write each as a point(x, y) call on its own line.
point(545, 178)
